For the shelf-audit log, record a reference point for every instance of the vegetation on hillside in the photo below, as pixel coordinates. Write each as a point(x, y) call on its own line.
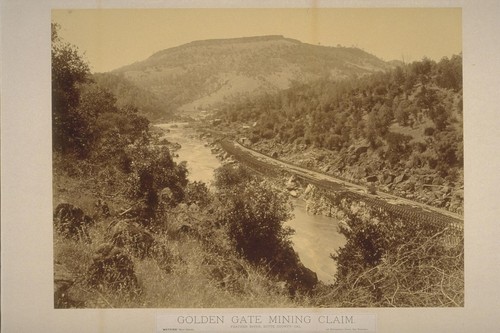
point(70, 129)
point(251, 65)
point(130, 230)
point(405, 121)
point(127, 94)
point(393, 261)
point(84, 115)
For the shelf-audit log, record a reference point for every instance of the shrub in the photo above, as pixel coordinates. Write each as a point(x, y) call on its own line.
point(112, 268)
point(71, 128)
point(227, 177)
point(429, 131)
point(254, 215)
point(390, 262)
point(154, 170)
point(197, 193)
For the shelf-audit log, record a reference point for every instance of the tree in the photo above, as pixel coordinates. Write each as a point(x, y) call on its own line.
point(398, 76)
point(450, 73)
point(227, 178)
point(402, 113)
point(391, 261)
point(422, 69)
point(439, 115)
point(84, 119)
point(427, 98)
point(397, 147)
point(69, 70)
point(379, 120)
point(254, 215)
point(153, 172)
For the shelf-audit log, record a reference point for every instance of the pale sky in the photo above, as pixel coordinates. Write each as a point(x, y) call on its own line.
point(111, 38)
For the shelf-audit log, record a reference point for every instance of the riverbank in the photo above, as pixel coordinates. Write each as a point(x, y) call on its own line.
point(403, 208)
point(388, 240)
point(316, 236)
point(123, 258)
point(137, 233)
point(356, 165)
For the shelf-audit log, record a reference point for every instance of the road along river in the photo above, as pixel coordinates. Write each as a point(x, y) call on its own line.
point(315, 238)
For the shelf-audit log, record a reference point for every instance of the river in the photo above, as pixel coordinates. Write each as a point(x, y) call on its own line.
point(315, 236)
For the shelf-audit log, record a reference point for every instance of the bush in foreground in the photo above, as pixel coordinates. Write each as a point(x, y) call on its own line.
point(391, 262)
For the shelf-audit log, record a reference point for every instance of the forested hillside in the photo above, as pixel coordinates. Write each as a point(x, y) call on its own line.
point(401, 130)
point(127, 94)
point(202, 73)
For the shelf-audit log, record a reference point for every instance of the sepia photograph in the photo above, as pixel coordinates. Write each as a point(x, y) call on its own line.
point(221, 158)
point(256, 166)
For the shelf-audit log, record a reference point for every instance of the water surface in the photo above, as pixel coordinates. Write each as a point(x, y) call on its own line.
point(315, 238)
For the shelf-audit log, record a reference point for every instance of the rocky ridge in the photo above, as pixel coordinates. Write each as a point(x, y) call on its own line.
point(357, 165)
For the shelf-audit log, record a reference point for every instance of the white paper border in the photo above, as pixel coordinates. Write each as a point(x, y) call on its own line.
point(27, 299)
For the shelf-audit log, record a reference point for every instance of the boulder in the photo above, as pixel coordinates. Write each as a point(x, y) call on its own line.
point(166, 195)
point(434, 194)
point(361, 150)
point(401, 178)
point(227, 274)
point(309, 189)
point(102, 209)
point(291, 183)
point(437, 181)
point(386, 188)
point(112, 268)
point(389, 178)
point(131, 235)
point(428, 180)
point(446, 189)
point(414, 179)
point(63, 280)
point(194, 207)
point(372, 179)
point(372, 189)
point(458, 194)
point(184, 231)
point(408, 186)
point(229, 161)
point(71, 222)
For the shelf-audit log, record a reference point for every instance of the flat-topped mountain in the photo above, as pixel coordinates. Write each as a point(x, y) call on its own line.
point(202, 73)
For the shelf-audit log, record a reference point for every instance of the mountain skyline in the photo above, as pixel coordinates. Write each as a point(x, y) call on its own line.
point(112, 39)
point(202, 74)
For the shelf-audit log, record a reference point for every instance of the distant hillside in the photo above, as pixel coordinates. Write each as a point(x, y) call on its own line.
point(203, 73)
point(150, 105)
point(401, 130)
